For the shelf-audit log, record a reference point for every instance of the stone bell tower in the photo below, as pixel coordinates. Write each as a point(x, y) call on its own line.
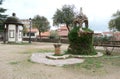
point(80, 19)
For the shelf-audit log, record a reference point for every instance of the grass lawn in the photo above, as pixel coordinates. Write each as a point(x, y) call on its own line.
point(100, 65)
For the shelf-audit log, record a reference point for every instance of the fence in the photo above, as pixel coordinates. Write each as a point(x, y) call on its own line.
point(47, 40)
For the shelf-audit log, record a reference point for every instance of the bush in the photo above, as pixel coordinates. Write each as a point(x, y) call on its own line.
point(81, 42)
point(102, 40)
point(54, 35)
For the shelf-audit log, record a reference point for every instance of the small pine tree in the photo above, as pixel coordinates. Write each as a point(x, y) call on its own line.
point(2, 16)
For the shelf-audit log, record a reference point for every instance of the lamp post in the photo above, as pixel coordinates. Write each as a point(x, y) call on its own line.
point(4, 38)
point(30, 30)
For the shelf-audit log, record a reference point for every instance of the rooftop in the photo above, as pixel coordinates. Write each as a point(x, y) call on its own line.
point(13, 20)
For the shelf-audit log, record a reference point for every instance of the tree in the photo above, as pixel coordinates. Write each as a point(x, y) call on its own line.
point(2, 16)
point(1, 1)
point(54, 34)
point(112, 24)
point(41, 23)
point(65, 15)
point(115, 22)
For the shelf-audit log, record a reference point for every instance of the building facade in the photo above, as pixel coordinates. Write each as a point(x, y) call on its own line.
point(13, 29)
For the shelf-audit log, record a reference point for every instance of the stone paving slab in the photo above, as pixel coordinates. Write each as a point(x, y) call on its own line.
point(41, 58)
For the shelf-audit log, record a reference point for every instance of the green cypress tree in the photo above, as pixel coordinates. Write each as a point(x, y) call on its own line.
point(2, 16)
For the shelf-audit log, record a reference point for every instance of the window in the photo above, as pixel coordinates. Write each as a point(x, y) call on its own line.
point(24, 34)
point(28, 34)
point(11, 33)
point(32, 34)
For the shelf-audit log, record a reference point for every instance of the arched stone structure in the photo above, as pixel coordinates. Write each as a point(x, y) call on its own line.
point(80, 19)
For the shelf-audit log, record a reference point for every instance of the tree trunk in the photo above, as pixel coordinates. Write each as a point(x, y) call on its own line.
point(4, 37)
point(40, 34)
point(68, 27)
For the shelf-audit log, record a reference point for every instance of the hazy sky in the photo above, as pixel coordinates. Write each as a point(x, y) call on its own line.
point(99, 12)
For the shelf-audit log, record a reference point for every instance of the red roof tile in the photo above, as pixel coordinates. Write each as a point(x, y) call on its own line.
point(45, 33)
point(63, 31)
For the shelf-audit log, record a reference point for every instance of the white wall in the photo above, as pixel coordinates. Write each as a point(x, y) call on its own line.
point(12, 37)
point(36, 34)
point(11, 33)
point(20, 33)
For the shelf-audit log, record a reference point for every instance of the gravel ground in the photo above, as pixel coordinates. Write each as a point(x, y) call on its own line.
point(15, 64)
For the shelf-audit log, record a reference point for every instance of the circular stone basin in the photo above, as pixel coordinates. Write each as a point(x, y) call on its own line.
point(86, 56)
point(57, 57)
point(49, 59)
point(51, 56)
point(41, 58)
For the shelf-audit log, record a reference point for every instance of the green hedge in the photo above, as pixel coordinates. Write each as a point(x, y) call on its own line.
point(81, 43)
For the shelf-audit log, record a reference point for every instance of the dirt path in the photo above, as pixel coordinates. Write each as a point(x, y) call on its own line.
point(14, 64)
